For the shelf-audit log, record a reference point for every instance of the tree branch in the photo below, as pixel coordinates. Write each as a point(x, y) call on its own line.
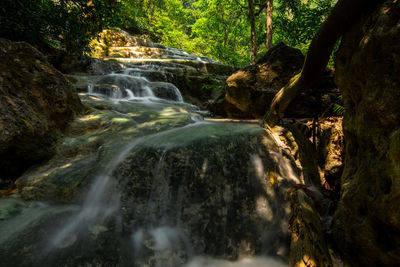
point(319, 51)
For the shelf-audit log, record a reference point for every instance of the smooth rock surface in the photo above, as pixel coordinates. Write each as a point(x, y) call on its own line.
point(367, 222)
point(36, 104)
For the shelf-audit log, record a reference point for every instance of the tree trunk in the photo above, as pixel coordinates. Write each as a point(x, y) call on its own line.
point(269, 24)
point(152, 7)
point(253, 31)
point(319, 51)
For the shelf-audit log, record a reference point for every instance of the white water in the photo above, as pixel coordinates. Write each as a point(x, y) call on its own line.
point(102, 200)
point(131, 85)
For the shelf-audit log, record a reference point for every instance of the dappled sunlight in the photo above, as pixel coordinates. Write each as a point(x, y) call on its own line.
point(89, 118)
point(272, 177)
point(204, 169)
point(66, 165)
point(131, 114)
point(39, 180)
point(168, 112)
point(306, 261)
point(95, 98)
point(93, 139)
point(121, 120)
point(131, 130)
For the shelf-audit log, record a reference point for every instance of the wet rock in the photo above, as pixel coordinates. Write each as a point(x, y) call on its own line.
point(193, 75)
point(217, 105)
point(308, 245)
point(367, 224)
point(250, 91)
point(114, 39)
point(321, 144)
point(223, 184)
point(36, 104)
point(92, 140)
point(316, 146)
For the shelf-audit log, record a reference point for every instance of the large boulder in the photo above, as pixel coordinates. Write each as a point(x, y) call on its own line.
point(250, 91)
point(220, 182)
point(36, 104)
point(367, 223)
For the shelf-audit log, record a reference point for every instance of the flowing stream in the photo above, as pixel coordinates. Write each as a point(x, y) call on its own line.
point(191, 194)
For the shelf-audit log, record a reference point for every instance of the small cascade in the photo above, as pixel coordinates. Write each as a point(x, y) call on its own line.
point(133, 85)
point(102, 203)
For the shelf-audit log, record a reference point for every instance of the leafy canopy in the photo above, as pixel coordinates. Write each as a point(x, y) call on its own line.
point(219, 29)
point(68, 24)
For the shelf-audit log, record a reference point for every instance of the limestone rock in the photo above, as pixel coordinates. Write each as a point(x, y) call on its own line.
point(250, 91)
point(330, 151)
point(319, 146)
point(308, 246)
point(367, 223)
point(92, 140)
point(36, 103)
point(195, 76)
point(223, 183)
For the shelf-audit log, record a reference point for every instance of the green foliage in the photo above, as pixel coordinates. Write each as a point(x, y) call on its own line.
point(22, 19)
point(297, 21)
point(213, 84)
point(219, 29)
point(67, 24)
point(339, 109)
point(169, 23)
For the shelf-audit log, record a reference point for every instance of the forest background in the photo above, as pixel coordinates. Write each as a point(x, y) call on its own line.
point(234, 32)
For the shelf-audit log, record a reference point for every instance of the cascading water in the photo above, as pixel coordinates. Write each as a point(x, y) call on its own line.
point(166, 192)
point(132, 84)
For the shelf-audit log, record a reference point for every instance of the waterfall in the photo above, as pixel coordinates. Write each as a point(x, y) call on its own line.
point(155, 184)
point(132, 84)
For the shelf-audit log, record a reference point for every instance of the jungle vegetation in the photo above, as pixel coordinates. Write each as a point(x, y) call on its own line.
point(233, 32)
